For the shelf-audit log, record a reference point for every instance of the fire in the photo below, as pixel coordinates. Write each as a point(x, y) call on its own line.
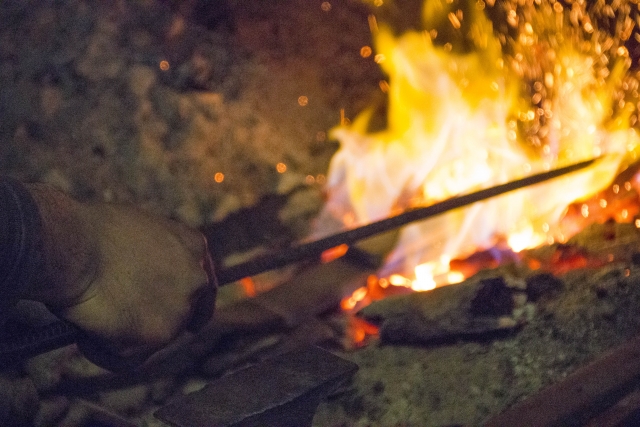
point(334, 253)
point(357, 296)
point(471, 106)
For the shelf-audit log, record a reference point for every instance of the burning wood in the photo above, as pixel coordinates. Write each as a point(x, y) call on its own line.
point(473, 310)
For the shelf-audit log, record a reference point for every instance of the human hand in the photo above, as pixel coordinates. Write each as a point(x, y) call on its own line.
point(136, 283)
point(154, 280)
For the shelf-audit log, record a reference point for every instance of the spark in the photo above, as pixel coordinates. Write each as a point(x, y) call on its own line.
point(584, 210)
point(379, 58)
point(399, 280)
point(455, 22)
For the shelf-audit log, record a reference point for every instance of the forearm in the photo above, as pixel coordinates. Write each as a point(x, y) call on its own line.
point(47, 250)
point(69, 248)
point(21, 246)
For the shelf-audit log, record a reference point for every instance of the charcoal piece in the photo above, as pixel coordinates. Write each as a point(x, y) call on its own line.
point(449, 302)
point(414, 329)
point(439, 316)
point(493, 298)
point(543, 285)
point(635, 258)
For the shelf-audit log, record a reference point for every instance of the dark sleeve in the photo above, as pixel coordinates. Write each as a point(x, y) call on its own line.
point(21, 254)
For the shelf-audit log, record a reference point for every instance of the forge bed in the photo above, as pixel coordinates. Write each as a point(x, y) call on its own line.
point(468, 382)
point(86, 106)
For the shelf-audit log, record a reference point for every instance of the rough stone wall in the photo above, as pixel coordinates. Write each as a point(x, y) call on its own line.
point(88, 105)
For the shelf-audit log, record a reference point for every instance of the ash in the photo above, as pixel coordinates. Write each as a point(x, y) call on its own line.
point(465, 383)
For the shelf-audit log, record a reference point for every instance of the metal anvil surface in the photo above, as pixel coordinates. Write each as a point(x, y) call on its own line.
point(284, 391)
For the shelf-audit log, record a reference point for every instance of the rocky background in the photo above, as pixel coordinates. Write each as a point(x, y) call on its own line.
point(146, 101)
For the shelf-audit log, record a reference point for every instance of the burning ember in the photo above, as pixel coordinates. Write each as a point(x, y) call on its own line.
point(472, 104)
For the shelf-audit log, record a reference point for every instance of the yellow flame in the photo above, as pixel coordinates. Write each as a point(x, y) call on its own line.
point(350, 302)
point(470, 108)
point(525, 238)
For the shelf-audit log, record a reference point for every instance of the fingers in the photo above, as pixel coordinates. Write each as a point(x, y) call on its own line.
point(143, 302)
point(203, 299)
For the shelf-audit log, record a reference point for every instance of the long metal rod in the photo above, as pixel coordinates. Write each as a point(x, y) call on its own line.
point(61, 333)
point(315, 248)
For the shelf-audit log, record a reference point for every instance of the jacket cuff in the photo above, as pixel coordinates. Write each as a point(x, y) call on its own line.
point(21, 245)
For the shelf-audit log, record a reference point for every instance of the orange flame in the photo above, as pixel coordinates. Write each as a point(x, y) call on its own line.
point(334, 253)
point(459, 120)
point(249, 286)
